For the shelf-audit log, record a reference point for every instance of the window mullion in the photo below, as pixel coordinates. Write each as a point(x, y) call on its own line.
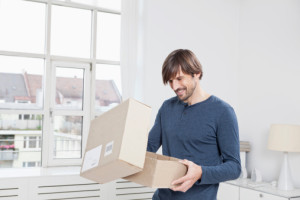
point(94, 34)
point(47, 120)
point(109, 62)
point(93, 67)
point(52, 93)
point(70, 59)
point(21, 54)
point(87, 105)
point(47, 94)
point(84, 6)
point(69, 112)
point(23, 111)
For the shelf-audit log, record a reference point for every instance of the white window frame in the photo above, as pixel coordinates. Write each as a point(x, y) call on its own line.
point(84, 113)
point(90, 63)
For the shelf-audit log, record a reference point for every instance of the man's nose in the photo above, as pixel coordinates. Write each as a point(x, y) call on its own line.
point(175, 85)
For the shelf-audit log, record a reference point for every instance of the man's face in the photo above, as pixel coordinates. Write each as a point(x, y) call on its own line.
point(184, 85)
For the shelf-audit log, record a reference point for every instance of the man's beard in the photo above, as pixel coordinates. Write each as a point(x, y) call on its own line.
point(189, 93)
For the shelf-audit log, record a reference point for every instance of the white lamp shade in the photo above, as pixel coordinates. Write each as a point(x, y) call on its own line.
point(284, 137)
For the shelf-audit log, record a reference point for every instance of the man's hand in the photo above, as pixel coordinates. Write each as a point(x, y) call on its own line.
point(193, 174)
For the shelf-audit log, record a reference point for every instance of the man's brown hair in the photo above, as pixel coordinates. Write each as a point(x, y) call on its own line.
point(183, 59)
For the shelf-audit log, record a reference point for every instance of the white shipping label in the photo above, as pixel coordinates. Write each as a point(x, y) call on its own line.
point(109, 148)
point(92, 158)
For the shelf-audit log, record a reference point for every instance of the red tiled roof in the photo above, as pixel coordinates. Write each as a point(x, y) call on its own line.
point(34, 83)
point(106, 90)
point(22, 98)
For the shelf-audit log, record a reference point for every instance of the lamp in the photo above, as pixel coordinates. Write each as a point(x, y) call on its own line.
point(284, 138)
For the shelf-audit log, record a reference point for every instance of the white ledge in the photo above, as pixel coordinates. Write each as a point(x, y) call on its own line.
point(38, 172)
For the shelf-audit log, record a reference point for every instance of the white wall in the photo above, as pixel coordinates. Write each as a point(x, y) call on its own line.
point(248, 49)
point(269, 78)
point(208, 28)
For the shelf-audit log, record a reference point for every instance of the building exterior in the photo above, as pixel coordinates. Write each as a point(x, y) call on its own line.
point(21, 134)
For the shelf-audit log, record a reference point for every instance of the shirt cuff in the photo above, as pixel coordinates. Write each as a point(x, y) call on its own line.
point(201, 181)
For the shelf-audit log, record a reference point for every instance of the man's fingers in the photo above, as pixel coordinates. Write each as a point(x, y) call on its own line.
point(183, 187)
point(185, 162)
point(180, 180)
point(186, 182)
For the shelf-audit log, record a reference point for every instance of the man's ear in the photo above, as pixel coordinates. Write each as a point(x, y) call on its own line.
point(197, 75)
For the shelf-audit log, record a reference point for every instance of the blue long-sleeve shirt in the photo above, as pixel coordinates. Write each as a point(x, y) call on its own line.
point(205, 133)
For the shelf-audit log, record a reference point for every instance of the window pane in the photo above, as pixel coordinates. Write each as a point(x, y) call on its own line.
point(33, 142)
point(21, 82)
point(108, 36)
point(108, 87)
point(31, 164)
point(69, 88)
point(67, 137)
point(70, 32)
point(18, 139)
point(22, 26)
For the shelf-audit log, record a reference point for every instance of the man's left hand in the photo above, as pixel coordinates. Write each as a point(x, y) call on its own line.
point(193, 174)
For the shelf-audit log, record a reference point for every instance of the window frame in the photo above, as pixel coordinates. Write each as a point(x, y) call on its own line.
point(49, 59)
point(27, 140)
point(84, 113)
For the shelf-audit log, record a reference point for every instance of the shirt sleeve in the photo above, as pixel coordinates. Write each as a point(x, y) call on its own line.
point(155, 134)
point(229, 146)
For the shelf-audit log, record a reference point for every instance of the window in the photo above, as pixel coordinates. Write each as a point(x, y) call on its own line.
point(111, 95)
point(26, 117)
point(21, 81)
point(31, 164)
point(67, 137)
point(109, 36)
point(70, 31)
point(69, 83)
point(70, 112)
point(32, 142)
point(22, 26)
point(59, 67)
point(20, 140)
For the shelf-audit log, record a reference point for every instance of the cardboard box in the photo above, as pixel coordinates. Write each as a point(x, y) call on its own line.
point(159, 171)
point(117, 142)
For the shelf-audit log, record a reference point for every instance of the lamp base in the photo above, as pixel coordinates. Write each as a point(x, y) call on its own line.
point(285, 181)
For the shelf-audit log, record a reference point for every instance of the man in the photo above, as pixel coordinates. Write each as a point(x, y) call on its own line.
point(197, 127)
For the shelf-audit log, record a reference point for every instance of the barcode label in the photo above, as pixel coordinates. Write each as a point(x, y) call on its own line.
point(109, 148)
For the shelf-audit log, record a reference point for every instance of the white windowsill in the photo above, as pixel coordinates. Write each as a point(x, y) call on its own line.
point(39, 172)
